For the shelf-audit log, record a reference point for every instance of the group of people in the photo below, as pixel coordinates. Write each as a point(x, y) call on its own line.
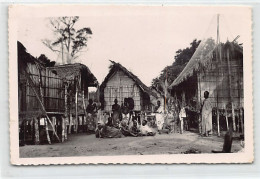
point(175, 115)
point(124, 122)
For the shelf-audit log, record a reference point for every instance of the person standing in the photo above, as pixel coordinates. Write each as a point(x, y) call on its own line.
point(116, 109)
point(182, 117)
point(206, 115)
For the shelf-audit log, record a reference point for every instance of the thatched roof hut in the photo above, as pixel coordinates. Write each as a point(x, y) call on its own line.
point(119, 84)
point(70, 72)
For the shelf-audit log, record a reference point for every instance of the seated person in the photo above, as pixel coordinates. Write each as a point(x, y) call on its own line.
point(146, 130)
point(135, 129)
point(104, 131)
point(124, 129)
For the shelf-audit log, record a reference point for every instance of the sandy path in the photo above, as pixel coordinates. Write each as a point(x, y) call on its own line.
point(88, 145)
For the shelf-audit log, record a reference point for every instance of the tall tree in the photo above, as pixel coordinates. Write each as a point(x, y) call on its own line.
point(171, 72)
point(69, 42)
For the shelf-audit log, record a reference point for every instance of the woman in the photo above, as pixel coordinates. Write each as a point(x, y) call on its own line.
point(206, 115)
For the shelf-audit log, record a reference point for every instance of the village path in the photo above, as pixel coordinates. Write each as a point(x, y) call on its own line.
point(88, 145)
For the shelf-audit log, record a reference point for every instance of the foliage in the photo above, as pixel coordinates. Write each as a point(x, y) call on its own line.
point(46, 61)
point(68, 41)
point(171, 72)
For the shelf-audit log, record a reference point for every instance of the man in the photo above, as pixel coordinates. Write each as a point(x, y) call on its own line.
point(116, 109)
point(206, 115)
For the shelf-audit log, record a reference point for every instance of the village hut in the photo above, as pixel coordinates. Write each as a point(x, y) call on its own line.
point(218, 69)
point(77, 78)
point(120, 84)
point(40, 97)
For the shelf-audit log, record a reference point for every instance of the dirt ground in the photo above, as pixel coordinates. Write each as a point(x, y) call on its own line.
point(89, 145)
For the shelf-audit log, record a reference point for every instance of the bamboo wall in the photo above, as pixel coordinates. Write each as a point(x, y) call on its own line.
point(216, 80)
point(51, 88)
point(118, 87)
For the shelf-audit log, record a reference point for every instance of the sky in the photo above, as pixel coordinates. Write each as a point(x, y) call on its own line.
point(144, 39)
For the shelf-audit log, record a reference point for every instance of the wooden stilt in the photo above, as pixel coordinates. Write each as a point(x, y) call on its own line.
point(84, 107)
point(53, 120)
point(230, 89)
point(47, 130)
point(217, 76)
point(70, 123)
point(65, 129)
point(241, 118)
point(76, 109)
point(226, 116)
point(62, 129)
point(36, 132)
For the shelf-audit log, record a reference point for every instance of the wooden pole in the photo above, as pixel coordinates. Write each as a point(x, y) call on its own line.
point(47, 130)
point(36, 131)
point(84, 107)
point(200, 115)
point(230, 90)
point(70, 123)
point(242, 123)
point(66, 110)
point(226, 116)
point(62, 129)
point(76, 108)
point(217, 80)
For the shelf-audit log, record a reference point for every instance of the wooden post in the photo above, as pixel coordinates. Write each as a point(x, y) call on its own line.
point(65, 129)
point(217, 76)
point(66, 110)
point(230, 90)
point(47, 130)
point(242, 117)
point(200, 115)
point(36, 131)
point(84, 107)
point(226, 117)
point(76, 108)
point(70, 123)
point(62, 129)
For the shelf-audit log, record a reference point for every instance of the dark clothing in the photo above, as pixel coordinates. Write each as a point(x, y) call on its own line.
point(90, 108)
point(125, 109)
point(116, 114)
point(116, 107)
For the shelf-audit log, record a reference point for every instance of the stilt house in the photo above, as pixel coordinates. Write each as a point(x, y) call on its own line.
point(41, 95)
point(77, 78)
point(220, 72)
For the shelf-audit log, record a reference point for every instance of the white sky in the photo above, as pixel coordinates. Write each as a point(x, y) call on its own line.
point(143, 39)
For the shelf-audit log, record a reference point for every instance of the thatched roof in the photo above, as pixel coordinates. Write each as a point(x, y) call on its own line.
point(117, 67)
point(70, 71)
point(201, 59)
